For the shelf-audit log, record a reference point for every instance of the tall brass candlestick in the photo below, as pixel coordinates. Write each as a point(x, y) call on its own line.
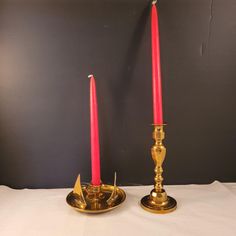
point(158, 201)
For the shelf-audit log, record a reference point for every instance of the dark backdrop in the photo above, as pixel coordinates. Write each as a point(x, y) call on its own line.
point(47, 49)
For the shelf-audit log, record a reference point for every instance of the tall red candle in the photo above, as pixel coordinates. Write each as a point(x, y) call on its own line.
point(156, 70)
point(95, 147)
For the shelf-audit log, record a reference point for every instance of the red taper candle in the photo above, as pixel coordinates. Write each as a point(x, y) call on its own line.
point(94, 130)
point(156, 69)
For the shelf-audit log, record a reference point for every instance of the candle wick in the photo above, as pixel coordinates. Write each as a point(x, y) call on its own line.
point(154, 2)
point(90, 76)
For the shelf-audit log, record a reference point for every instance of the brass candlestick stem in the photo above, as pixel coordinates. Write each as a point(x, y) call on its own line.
point(95, 199)
point(158, 201)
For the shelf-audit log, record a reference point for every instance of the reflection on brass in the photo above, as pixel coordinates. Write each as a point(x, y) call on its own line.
point(114, 194)
point(79, 193)
point(158, 201)
point(95, 199)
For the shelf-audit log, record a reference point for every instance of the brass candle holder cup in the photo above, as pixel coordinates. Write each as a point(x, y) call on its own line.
point(95, 199)
point(158, 201)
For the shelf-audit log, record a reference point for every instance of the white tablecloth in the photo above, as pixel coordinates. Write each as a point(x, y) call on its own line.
point(202, 210)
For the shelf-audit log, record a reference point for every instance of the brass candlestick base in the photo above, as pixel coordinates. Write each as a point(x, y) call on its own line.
point(95, 199)
point(158, 201)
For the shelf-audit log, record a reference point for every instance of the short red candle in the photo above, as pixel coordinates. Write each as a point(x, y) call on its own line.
point(156, 70)
point(95, 147)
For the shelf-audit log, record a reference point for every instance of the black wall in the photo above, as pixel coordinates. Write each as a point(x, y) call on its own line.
point(47, 49)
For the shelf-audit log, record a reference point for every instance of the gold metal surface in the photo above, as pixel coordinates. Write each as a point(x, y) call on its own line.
point(158, 201)
point(114, 194)
point(95, 199)
point(77, 191)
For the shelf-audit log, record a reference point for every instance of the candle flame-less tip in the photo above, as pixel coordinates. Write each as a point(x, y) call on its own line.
point(90, 76)
point(154, 2)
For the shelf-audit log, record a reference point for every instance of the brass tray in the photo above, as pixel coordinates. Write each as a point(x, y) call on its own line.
point(106, 199)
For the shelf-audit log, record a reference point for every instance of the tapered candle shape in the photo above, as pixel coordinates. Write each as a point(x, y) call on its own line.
point(156, 69)
point(95, 147)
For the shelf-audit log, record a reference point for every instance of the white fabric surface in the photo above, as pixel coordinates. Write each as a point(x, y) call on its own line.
point(202, 210)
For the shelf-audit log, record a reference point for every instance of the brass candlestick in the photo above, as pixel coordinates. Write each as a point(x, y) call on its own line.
point(95, 199)
point(158, 201)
